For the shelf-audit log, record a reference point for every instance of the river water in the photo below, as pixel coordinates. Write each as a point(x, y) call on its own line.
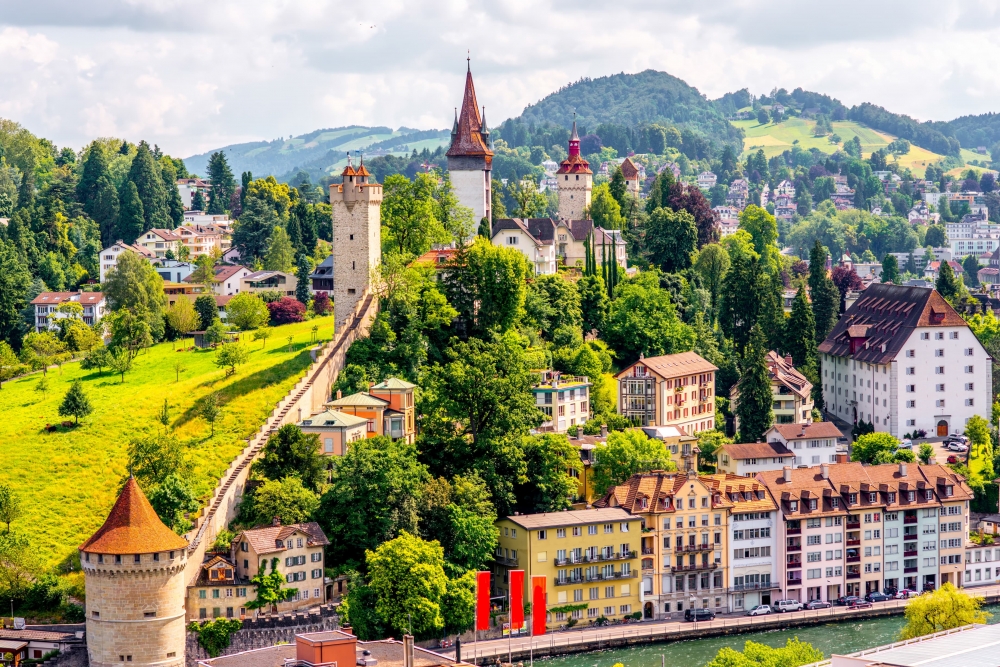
point(844, 637)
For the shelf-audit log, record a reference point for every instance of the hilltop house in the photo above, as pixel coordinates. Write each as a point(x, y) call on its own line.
point(109, 256)
point(47, 306)
point(388, 409)
point(295, 550)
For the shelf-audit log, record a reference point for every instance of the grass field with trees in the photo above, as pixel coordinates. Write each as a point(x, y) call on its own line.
point(67, 478)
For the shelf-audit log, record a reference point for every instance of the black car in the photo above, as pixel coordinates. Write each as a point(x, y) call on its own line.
point(875, 596)
point(847, 600)
point(699, 615)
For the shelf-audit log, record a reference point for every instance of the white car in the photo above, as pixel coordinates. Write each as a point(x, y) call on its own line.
point(906, 444)
point(759, 610)
point(787, 605)
point(956, 447)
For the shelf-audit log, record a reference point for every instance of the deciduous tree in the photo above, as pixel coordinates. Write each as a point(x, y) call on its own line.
point(879, 447)
point(10, 505)
point(643, 320)
point(548, 486)
point(942, 609)
point(231, 355)
point(287, 500)
point(408, 579)
point(671, 237)
point(626, 453)
point(290, 452)
point(247, 311)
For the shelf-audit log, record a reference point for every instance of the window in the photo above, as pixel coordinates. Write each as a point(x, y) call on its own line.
point(968, 369)
point(939, 387)
point(560, 532)
point(609, 528)
point(814, 574)
point(925, 336)
point(968, 352)
point(939, 353)
point(911, 404)
point(939, 403)
point(969, 402)
point(939, 370)
point(939, 335)
point(910, 370)
point(911, 388)
point(953, 335)
point(592, 530)
point(969, 386)
point(910, 354)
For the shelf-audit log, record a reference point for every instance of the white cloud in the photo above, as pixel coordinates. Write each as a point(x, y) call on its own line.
point(191, 79)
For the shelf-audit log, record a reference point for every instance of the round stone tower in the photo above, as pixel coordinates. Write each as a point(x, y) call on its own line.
point(134, 572)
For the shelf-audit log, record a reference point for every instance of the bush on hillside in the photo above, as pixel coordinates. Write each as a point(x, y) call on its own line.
point(286, 310)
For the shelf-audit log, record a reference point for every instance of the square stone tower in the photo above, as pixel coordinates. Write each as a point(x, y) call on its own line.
point(575, 180)
point(470, 159)
point(357, 238)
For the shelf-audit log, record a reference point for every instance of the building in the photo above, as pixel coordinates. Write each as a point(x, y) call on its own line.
point(47, 310)
point(729, 220)
point(204, 238)
point(532, 237)
point(707, 180)
point(357, 238)
point(683, 448)
point(564, 399)
point(219, 591)
point(335, 430)
point(586, 556)
point(738, 194)
point(133, 568)
point(188, 186)
point(575, 181)
point(33, 643)
point(388, 408)
point(295, 550)
point(962, 647)
point(160, 242)
point(868, 528)
point(228, 279)
point(812, 443)
point(632, 178)
point(791, 392)
point(173, 270)
point(749, 458)
point(109, 256)
point(269, 281)
point(670, 390)
point(982, 565)
point(903, 359)
point(321, 279)
point(470, 158)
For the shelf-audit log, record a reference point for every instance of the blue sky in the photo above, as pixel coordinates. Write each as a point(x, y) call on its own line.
point(194, 76)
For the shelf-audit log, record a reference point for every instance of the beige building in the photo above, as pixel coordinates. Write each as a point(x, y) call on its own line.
point(588, 557)
point(159, 242)
point(791, 392)
point(357, 238)
point(564, 399)
point(133, 568)
point(219, 592)
point(295, 550)
point(670, 390)
point(269, 281)
point(336, 430)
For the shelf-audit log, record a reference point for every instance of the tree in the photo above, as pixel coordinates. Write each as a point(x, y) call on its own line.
point(204, 272)
point(15, 281)
point(210, 409)
point(246, 311)
point(287, 500)
point(712, 263)
point(163, 416)
point(134, 285)
point(10, 505)
point(947, 284)
point(171, 500)
point(460, 516)
point(671, 238)
point(793, 654)
point(709, 443)
point(223, 184)
point(486, 285)
point(9, 363)
point(528, 201)
point(593, 302)
point(290, 452)
point(262, 334)
point(198, 201)
point(644, 320)
point(280, 255)
point(890, 269)
point(605, 210)
point(76, 403)
point(847, 280)
point(762, 117)
point(105, 208)
point(942, 609)
point(145, 175)
point(151, 459)
point(753, 409)
point(936, 236)
point(322, 304)
point(408, 579)
point(217, 332)
point(42, 386)
point(41, 349)
point(743, 291)
point(95, 166)
point(372, 468)
point(207, 311)
point(129, 332)
point(626, 453)
point(231, 355)
point(970, 267)
point(252, 232)
point(214, 635)
point(761, 226)
point(182, 316)
point(825, 296)
point(800, 332)
point(879, 447)
point(409, 215)
point(175, 207)
point(131, 217)
point(549, 458)
point(271, 589)
point(302, 270)
point(120, 362)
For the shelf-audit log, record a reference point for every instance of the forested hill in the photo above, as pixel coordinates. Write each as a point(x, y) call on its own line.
point(649, 97)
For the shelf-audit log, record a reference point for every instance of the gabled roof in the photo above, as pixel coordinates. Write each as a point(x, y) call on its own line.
point(811, 430)
point(569, 518)
point(264, 539)
point(891, 313)
point(467, 136)
point(324, 269)
point(165, 234)
point(757, 450)
point(360, 399)
point(540, 232)
point(332, 419)
point(264, 275)
point(55, 298)
point(133, 527)
point(672, 365)
point(629, 169)
point(782, 371)
point(394, 383)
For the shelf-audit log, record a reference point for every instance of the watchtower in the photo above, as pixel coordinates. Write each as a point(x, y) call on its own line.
point(575, 182)
point(357, 238)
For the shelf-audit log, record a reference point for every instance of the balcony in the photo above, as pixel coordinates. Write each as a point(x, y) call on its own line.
point(792, 548)
point(794, 531)
point(647, 551)
point(697, 547)
point(739, 588)
point(854, 559)
point(910, 570)
point(502, 560)
point(853, 543)
point(793, 566)
point(853, 526)
point(909, 519)
point(797, 581)
point(855, 575)
point(910, 554)
point(567, 582)
point(692, 568)
point(597, 577)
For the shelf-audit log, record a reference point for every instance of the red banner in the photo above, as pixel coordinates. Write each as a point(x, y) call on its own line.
point(538, 605)
point(516, 599)
point(483, 601)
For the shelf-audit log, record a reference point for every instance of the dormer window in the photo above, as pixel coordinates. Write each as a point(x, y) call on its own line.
point(835, 503)
point(892, 496)
point(911, 495)
point(793, 505)
point(812, 503)
point(928, 495)
point(852, 498)
point(873, 497)
point(949, 490)
point(279, 544)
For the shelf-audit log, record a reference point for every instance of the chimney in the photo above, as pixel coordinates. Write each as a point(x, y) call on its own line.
point(276, 521)
point(604, 430)
point(824, 470)
point(841, 457)
point(902, 470)
point(407, 650)
point(788, 360)
point(787, 473)
point(340, 394)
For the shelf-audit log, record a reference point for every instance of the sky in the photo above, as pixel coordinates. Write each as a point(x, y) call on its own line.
point(191, 77)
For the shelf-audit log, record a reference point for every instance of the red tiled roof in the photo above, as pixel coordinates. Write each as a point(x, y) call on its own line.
point(467, 138)
point(263, 539)
point(629, 169)
point(813, 430)
point(784, 372)
point(133, 527)
point(85, 298)
point(757, 450)
point(672, 365)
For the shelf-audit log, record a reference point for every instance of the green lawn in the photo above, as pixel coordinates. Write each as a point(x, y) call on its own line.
point(68, 479)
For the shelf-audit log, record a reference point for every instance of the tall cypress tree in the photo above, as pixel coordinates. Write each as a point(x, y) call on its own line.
point(175, 207)
point(772, 311)
point(743, 294)
point(145, 175)
point(95, 166)
point(948, 284)
point(753, 409)
point(302, 271)
point(104, 207)
point(824, 293)
point(800, 332)
point(130, 214)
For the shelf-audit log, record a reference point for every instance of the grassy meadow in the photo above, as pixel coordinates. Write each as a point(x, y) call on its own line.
point(67, 479)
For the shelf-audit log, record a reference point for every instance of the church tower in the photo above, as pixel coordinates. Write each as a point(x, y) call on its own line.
point(357, 238)
point(134, 573)
point(575, 181)
point(470, 159)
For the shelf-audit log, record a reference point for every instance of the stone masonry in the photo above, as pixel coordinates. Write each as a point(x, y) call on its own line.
point(357, 239)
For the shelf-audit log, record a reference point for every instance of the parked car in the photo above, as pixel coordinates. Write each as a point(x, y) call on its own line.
point(860, 604)
point(759, 610)
point(956, 447)
point(699, 615)
point(956, 438)
point(817, 604)
point(952, 459)
point(905, 593)
point(787, 605)
point(906, 444)
point(876, 596)
point(847, 600)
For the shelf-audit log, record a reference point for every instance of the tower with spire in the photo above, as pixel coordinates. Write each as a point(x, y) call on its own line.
point(470, 158)
point(356, 205)
point(575, 180)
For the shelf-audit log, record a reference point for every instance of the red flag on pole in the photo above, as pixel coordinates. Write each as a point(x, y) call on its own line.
point(538, 605)
point(482, 601)
point(516, 599)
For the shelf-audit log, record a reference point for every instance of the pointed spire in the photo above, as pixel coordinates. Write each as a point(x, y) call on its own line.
point(485, 131)
point(454, 128)
point(132, 527)
point(574, 163)
point(574, 136)
point(468, 138)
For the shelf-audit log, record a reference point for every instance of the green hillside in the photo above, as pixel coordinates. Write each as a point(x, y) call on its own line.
point(68, 479)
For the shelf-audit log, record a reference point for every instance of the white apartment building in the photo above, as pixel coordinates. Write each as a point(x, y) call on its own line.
point(707, 180)
point(564, 399)
point(160, 242)
point(521, 235)
point(811, 443)
point(749, 458)
point(47, 304)
point(753, 566)
point(903, 359)
point(982, 564)
point(109, 256)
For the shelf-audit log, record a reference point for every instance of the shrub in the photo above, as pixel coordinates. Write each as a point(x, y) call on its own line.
point(321, 303)
point(287, 310)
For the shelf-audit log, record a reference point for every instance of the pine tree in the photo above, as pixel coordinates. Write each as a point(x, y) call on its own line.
point(772, 312)
point(593, 302)
point(130, 214)
point(824, 293)
point(26, 191)
point(223, 184)
point(175, 207)
point(145, 174)
point(617, 187)
point(75, 403)
point(800, 332)
point(302, 271)
point(104, 208)
point(948, 284)
point(198, 201)
point(753, 409)
point(87, 188)
point(294, 230)
point(743, 295)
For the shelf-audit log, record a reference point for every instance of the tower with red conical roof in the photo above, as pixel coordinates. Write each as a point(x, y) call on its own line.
point(133, 568)
point(575, 181)
point(470, 158)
